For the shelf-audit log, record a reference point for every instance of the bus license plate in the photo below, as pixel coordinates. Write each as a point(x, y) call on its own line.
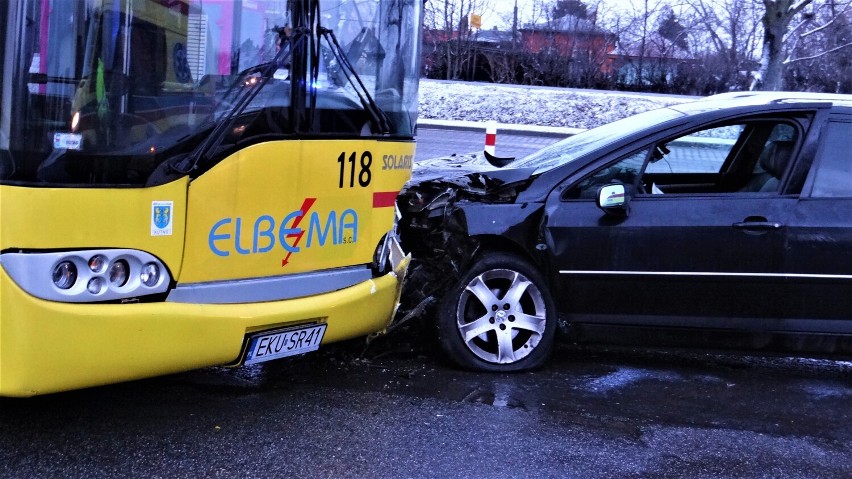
point(269, 346)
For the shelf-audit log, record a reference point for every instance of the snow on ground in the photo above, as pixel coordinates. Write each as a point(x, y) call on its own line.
point(512, 104)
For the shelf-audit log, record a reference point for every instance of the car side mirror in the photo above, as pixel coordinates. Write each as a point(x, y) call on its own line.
point(613, 199)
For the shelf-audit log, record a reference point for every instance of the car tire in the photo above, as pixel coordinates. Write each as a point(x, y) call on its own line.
point(499, 317)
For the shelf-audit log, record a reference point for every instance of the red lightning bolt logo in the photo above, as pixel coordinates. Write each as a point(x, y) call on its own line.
point(306, 205)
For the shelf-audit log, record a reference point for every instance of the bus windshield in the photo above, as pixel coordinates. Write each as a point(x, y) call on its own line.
point(109, 92)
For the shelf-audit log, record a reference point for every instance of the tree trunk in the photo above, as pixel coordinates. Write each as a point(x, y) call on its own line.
point(776, 21)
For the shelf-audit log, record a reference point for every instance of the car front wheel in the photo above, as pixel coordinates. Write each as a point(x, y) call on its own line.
point(499, 317)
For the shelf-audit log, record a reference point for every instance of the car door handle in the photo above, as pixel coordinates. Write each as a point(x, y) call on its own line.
point(758, 225)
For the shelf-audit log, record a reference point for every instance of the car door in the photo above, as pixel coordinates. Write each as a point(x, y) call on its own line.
point(701, 245)
point(818, 247)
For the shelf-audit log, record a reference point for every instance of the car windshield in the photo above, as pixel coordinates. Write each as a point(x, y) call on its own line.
point(580, 144)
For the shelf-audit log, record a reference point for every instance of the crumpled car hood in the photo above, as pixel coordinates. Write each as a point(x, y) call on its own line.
point(451, 167)
point(469, 175)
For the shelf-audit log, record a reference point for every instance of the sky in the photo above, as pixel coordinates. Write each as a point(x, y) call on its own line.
point(501, 9)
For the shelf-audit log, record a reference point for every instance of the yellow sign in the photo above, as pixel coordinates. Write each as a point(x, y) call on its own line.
point(475, 20)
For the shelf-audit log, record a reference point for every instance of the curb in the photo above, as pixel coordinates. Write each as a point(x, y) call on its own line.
point(479, 126)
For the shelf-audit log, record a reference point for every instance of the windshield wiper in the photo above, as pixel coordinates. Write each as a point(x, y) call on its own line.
point(252, 79)
point(378, 117)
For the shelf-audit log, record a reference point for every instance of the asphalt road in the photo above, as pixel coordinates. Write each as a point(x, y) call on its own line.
point(593, 412)
point(394, 409)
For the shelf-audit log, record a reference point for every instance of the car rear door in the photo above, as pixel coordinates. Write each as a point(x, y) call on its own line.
point(818, 248)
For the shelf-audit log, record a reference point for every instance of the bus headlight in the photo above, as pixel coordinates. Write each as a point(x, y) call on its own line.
point(150, 275)
point(96, 285)
point(118, 273)
point(92, 275)
point(64, 275)
point(97, 263)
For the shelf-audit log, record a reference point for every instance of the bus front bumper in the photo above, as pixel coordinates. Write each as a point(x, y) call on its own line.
point(48, 346)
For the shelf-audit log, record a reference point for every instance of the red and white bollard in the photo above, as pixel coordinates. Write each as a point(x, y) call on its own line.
point(491, 137)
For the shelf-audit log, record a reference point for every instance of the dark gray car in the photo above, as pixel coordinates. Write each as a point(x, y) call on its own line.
point(730, 214)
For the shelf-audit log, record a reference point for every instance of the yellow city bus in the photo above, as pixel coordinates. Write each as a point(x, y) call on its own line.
point(187, 183)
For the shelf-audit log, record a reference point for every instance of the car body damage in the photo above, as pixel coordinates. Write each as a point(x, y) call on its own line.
point(449, 212)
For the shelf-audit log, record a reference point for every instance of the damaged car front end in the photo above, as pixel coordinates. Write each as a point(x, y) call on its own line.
point(455, 214)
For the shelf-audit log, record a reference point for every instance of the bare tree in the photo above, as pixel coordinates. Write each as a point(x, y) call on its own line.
point(785, 24)
point(447, 26)
point(634, 28)
point(565, 46)
point(542, 65)
point(687, 46)
point(776, 23)
point(818, 57)
point(731, 28)
point(502, 66)
point(529, 13)
point(594, 59)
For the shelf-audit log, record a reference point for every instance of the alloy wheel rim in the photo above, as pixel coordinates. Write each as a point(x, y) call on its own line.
point(501, 316)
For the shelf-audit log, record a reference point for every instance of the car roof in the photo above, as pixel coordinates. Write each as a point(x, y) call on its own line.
point(762, 98)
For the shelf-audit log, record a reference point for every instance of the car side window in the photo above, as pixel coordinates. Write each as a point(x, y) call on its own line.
point(833, 176)
point(627, 171)
point(703, 151)
point(747, 157)
point(751, 157)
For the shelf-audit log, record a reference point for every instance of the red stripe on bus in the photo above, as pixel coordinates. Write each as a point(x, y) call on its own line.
point(384, 199)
